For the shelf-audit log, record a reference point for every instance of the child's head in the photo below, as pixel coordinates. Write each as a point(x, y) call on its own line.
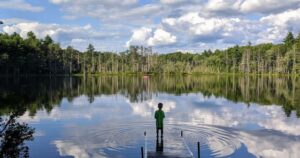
point(160, 105)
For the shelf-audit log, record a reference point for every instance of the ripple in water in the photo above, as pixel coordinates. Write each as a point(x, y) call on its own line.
point(120, 137)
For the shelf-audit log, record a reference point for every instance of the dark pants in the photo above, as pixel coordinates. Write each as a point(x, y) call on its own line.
point(159, 145)
point(161, 131)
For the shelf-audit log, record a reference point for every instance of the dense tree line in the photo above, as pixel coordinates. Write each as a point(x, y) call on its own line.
point(44, 56)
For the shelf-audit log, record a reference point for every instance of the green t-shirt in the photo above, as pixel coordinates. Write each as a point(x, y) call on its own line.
point(159, 116)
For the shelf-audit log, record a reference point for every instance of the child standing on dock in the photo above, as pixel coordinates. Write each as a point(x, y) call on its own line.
point(159, 116)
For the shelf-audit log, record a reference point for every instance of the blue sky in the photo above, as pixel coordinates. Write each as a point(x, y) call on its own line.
point(165, 25)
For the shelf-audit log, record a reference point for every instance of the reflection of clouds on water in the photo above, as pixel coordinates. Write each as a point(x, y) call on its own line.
point(222, 141)
point(147, 108)
point(39, 133)
point(80, 108)
point(271, 117)
point(69, 149)
point(276, 120)
point(238, 115)
point(80, 101)
point(92, 141)
point(271, 144)
point(193, 110)
point(118, 137)
point(57, 114)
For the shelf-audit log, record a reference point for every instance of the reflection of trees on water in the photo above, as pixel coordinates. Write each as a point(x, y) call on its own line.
point(45, 92)
point(13, 136)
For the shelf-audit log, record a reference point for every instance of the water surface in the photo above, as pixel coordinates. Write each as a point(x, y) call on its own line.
point(231, 116)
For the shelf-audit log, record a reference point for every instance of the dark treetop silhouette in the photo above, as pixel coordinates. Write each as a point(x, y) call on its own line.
point(13, 135)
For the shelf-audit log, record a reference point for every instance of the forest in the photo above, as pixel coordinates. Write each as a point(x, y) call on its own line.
point(33, 56)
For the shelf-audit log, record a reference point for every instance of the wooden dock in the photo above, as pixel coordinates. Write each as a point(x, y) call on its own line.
point(170, 148)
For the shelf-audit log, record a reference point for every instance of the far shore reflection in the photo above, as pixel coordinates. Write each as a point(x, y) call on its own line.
point(232, 116)
point(47, 92)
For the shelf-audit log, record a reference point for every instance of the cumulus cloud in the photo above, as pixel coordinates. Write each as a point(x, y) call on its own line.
point(101, 2)
point(161, 37)
point(173, 24)
point(19, 5)
point(211, 30)
point(190, 24)
point(277, 25)
point(57, 31)
point(222, 6)
point(289, 19)
point(268, 6)
point(140, 36)
point(197, 27)
point(11, 21)
point(232, 7)
point(146, 36)
point(66, 34)
point(109, 10)
point(173, 1)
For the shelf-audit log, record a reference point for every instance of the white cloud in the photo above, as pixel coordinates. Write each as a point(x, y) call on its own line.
point(113, 11)
point(267, 6)
point(222, 5)
point(161, 37)
point(174, 24)
point(286, 20)
point(12, 21)
point(214, 29)
point(19, 5)
point(65, 34)
point(173, 1)
point(232, 7)
point(139, 36)
point(41, 30)
point(146, 36)
point(194, 27)
point(99, 2)
point(189, 24)
point(277, 25)
point(60, 1)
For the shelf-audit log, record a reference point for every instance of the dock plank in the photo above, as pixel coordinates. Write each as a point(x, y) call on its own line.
point(174, 148)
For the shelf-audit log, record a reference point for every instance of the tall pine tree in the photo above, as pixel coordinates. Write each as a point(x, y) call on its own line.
point(289, 40)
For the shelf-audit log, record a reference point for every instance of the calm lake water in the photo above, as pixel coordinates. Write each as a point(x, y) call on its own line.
point(231, 116)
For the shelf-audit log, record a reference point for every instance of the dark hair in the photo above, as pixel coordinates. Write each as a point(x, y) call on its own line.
point(160, 105)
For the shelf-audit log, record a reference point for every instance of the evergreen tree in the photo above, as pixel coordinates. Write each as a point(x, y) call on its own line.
point(289, 40)
point(298, 38)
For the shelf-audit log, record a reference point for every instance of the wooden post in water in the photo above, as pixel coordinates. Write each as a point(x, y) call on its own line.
point(181, 133)
point(198, 149)
point(142, 152)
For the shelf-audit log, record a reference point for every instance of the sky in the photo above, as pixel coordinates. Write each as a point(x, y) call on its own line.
point(165, 25)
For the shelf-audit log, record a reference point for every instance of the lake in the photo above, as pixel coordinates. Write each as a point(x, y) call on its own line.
point(231, 116)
